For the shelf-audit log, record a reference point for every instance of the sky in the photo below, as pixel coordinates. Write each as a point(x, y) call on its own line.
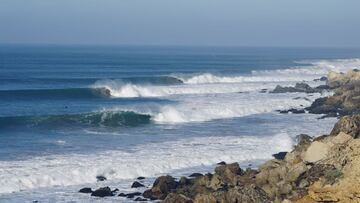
point(305, 23)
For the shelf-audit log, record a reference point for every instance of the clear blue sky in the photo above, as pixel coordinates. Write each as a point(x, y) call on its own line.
point(333, 23)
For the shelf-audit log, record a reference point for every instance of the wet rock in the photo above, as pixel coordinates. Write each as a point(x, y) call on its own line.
point(102, 192)
point(349, 125)
point(221, 163)
point(294, 111)
point(137, 185)
point(140, 178)
point(280, 155)
point(139, 199)
point(85, 190)
point(162, 186)
point(122, 195)
point(100, 178)
point(321, 79)
point(194, 175)
point(133, 194)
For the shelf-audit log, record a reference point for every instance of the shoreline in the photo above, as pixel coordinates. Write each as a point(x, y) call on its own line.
point(314, 171)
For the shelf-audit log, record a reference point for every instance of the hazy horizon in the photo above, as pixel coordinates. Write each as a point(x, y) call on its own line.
point(257, 23)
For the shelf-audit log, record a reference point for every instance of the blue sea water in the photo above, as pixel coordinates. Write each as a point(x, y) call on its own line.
point(60, 103)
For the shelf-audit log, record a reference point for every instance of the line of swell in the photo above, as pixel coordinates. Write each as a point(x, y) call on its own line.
point(56, 93)
point(97, 119)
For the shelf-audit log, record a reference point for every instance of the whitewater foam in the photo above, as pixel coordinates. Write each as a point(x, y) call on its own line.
point(208, 83)
point(65, 170)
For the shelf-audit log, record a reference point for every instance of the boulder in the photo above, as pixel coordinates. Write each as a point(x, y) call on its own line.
point(229, 173)
point(162, 186)
point(102, 192)
point(85, 190)
point(316, 152)
point(136, 184)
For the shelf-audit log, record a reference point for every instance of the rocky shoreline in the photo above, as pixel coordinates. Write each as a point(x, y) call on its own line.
point(322, 169)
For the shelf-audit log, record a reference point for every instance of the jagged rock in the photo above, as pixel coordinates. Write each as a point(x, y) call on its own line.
point(229, 173)
point(102, 192)
point(299, 87)
point(162, 186)
point(349, 125)
point(85, 190)
point(345, 101)
point(178, 198)
point(137, 184)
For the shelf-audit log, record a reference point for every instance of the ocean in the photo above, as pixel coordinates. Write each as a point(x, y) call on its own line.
point(71, 113)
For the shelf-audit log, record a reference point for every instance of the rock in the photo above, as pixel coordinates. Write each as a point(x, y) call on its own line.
point(137, 184)
point(341, 138)
point(140, 178)
point(299, 87)
point(139, 199)
point(263, 91)
point(294, 111)
point(345, 101)
point(323, 78)
point(295, 171)
point(195, 175)
point(303, 138)
point(100, 178)
point(349, 125)
point(221, 163)
point(162, 186)
point(122, 195)
point(228, 173)
point(85, 190)
point(316, 152)
point(102, 192)
point(178, 198)
point(202, 198)
point(133, 194)
point(280, 155)
point(248, 193)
